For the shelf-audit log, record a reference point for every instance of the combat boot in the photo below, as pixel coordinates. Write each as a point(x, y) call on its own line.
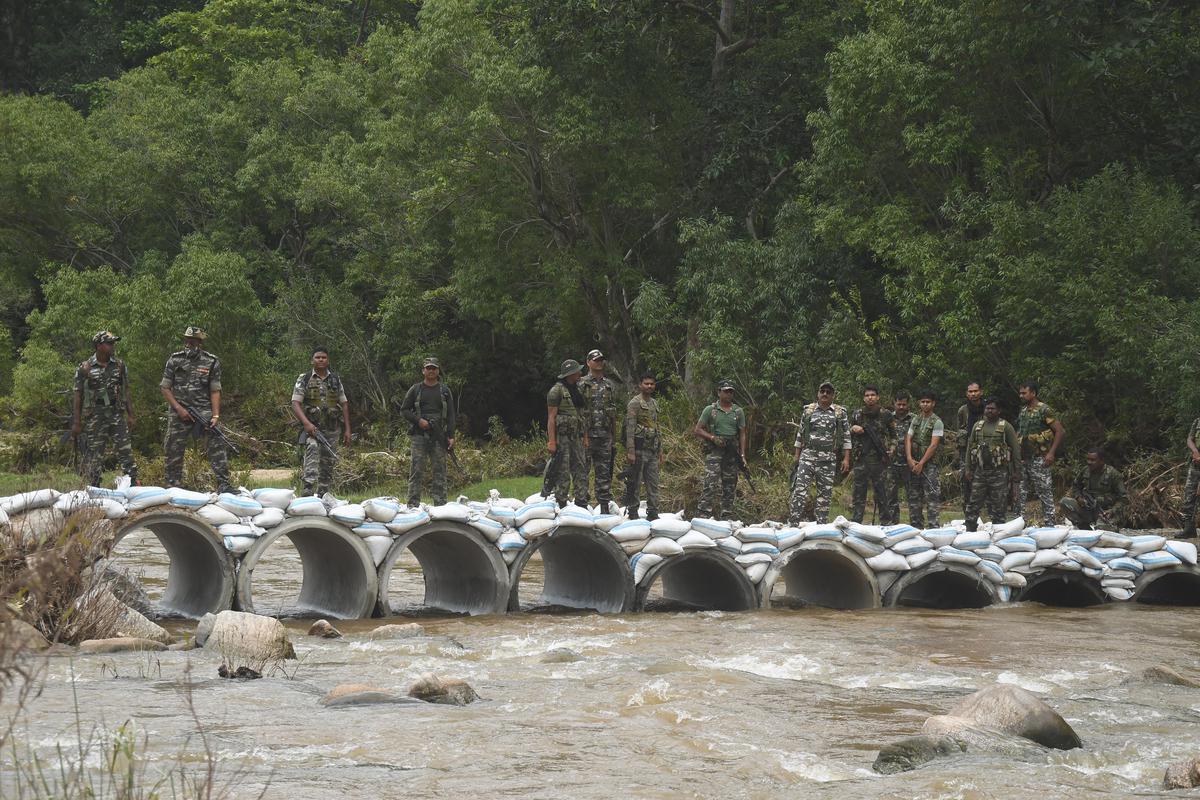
point(306, 490)
point(1189, 529)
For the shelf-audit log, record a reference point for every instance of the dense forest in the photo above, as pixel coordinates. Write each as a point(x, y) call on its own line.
point(909, 192)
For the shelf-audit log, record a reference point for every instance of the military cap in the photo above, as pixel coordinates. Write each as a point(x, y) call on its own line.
point(569, 367)
point(826, 383)
point(430, 362)
point(722, 385)
point(105, 337)
point(194, 332)
point(594, 354)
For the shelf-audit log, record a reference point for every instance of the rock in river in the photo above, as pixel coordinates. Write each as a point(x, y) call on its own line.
point(447, 691)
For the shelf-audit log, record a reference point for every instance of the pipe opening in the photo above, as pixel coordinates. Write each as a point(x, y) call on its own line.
point(442, 568)
point(334, 567)
point(185, 568)
point(701, 580)
point(941, 585)
point(824, 574)
point(572, 569)
point(1169, 587)
point(1062, 589)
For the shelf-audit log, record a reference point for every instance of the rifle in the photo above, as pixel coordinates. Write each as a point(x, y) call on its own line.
point(439, 433)
point(551, 471)
point(323, 441)
point(200, 425)
point(743, 467)
point(876, 442)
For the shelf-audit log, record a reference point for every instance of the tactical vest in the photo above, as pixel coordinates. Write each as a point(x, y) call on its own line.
point(901, 430)
point(646, 422)
point(1036, 435)
point(839, 425)
point(569, 420)
point(738, 414)
point(922, 433)
point(321, 398)
point(862, 445)
point(444, 394)
point(989, 449)
point(601, 410)
point(102, 387)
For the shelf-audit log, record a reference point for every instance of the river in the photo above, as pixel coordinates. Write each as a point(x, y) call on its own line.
point(658, 705)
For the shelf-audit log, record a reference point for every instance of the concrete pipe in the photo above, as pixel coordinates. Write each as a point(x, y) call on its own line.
point(582, 568)
point(820, 573)
point(464, 572)
point(941, 585)
point(701, 580)
point(1054, 587)
point(338, 577)
point(200, 576)
point(1176, 586)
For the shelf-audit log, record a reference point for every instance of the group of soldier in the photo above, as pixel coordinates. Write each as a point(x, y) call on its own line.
point(1000, 464)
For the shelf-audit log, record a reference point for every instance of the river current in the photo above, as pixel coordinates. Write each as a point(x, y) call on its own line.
point(657, 705)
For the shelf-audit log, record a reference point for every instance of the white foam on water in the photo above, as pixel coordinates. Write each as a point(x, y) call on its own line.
point(796, 667)
point(655, 692)
point(813, 768)
point(1029, 684)
point(907, 680)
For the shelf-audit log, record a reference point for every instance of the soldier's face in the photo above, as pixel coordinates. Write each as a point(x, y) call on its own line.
point(320, 360)
point(596, 364)
point(1026, 394)
point(191, 343)
point(104, 350)
point(901, 406)
point(871, 398)
point(649, 385)
point(926, 404)
point(991, 411)
point(572, 378)
point(1095, 462)
point(974, 392)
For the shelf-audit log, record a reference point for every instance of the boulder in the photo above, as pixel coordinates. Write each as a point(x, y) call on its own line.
point(102, 604)
point(361, 694)
point(324, 629)
point(127, 589)
point(1011, 710)
point(446, 691)
point(1163, 674)
point(251, 639)
point(120, 644)
point(1183, 775)
point(186, 644)
point(560, 655)
point(20, 635)
point(204, 628)
point(908, 754)
point(406, 631)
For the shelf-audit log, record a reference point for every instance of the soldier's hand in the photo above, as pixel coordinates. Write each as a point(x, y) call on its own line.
point(967, 476)
point(631, 457)
point(1196, 458)
point(856, 429)
point(346, 438)
point(552, 446)
point(76, 428)
point(845, 465)
point(423, 424)
point(183, 414)
point(719, 442)
point(130, 420)
point(587, 441)
point(917, 467)
point(1048, 459)
point(310, 429)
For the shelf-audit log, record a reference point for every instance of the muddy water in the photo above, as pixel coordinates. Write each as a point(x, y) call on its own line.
point(759, 705)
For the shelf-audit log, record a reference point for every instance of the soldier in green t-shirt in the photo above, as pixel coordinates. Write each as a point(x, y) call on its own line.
point(925, 434)
point(722, 425)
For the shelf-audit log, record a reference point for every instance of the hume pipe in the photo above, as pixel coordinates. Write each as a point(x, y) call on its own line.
point(705, 580)
point(582, 568)
point(941, 585)
point(464, 572)
point(1174, 586)
point(200, 575)
point(1055, 587)
point(821, 573)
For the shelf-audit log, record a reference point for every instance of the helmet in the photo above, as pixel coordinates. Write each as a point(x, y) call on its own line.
point(194, 332)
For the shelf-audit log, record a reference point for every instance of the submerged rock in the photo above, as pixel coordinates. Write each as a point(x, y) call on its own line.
point(393, 631)
point(244, 673)
point(908, 754)
point(361, 694)
point(446, 691)
point(560, 655)
point(324, 629)
point(1163, 674)
point(120, 644)
point(1011, 710)
point(1183, 775)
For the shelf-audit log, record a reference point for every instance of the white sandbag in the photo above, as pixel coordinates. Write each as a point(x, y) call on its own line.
point(1014, 579)
point(757, 533)
point(894, 534)
point(822, 532)
point(952, 555)
point(572, 516)
point(139, 498)
point(537, 527)
point(841, 523)
point(912, 546)
point(747, 559)
point(381, 509)
point(1083, 538)
point(713, 528)
point(1048, 537)
point(214, 514)
point(755, 572)
point(1017, 544)
point(450, 512)
point(269, 518)
point(991, 553)
point(100, 493)
point(512, 503)
point(662, 546)
point(990, 570)
point(408, 519)
point(672, 527)
point(1017, 559)
point(1115, 593)
point(918, 560)
point(1106, 554)
point(236, 529)
point(1114, 539)
point(634, 530)
point(274, 498)
point(972, 540)
point(633, 547)
point(28, 501)
point(1093, 573)
point(641, 564)
point(378, 545)
point(1184, 551)
point(239, 505)
point(788, 537)
point(730, 544)
point(1014, 527)
point(888, 561)
point(1127, 564)
point(503, 514)
point(70, 502)
point(695, 540)
point(1003, 593)
point(1159, 559)
point(490, 529)
point(864, 548)
point(1118, 583)
point(184, 498)
point(940, 537)
point(760, 547)
point(1084, 556)
point(536, 497)
point(1047, 558)
point(606, 522)
point(372, 528)
point(1068, 564)
point(238, 544)
point(351, 515)
point(307, 506)
point(544, 509)
point(509, 541)
point(1145, 544)
point(871, 533)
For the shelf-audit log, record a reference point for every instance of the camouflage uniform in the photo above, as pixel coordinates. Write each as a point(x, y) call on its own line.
point(898, 473)
point(992, 454)
point(321, 399)
point(103, 390)
point(721, 462)
point(570, 469)
point(870, 465)
point(435, 405)
point(925, 489)
point(1036, 435)
point(601, 396)
point(1193, 482)
point(1096, 494)
point(192, 376)
point(822, 437)
point(967, 416)
point(642, 439)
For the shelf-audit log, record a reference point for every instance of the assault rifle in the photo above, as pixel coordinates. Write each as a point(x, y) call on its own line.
point(322, 440)
point(743, 467)
point(439, 434)
point(876, 442)
point(200, 425)
point(551, 471)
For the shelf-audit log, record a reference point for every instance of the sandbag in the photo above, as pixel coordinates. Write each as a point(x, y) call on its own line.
point(238, 544)
point(537, 527)
point(1017, 559)
point(1014, 579)
point(274, 498)
point(952, 555)
point(1068, 564)
point(695, 540)
point(1118, 583)
point(544, 509)
point(757, 533)
point(662, 546)
point(940, 537)
point(372, 528)
point(918, 560)
point(1145, 544)
point(351, 515)
point(606, 522)
point(671, 527)
point(1127, 564)
point(1106, 554)
point(894, 534)
point(1017, 544)
point(28, 501)
point(69, 502)
point(239, 505)
point(1184, 551)
point(490, 528)
point(1093, 573)
point(139, 498)
point(183, 498)
point(822, 532)
point(747, 559)
point(450, 512)
point(641, 564)
point(214, 514)
point(991, 553)
point(760, 547)
point(536, 497)
point(730, 544)
point(1084, 556)
point(1114, 539)
point(240, 529)
point(381, 509)
point(912, 546)
point(573, 516)
point(100, 493)
point(713, 528)
point(788, 537)
point(634, 530)
point(503, 514)
point(1116, 593)
point(990, 570)
point(888, 561)
point(972, 540)
point(510, 541)
point(755, 572)
point(269, 518)
point(864, 548)
point(871, 533)
point(1047, 558)
point(510, 503)
point(1083, 538)
point(378, 545)
point(405, 521)
point(307, 506)
point(1003, 593)
point(634, 546)
point(1159, 559)
point(1048, 537)
point(1014, 527)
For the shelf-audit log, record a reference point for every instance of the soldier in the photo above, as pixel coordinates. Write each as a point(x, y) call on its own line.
point(990, 463)
point(192, 377)
point(722, 425)
point(601, 395)
point(1040, 434)
point(1193, 481)
point(898, 472)
point(822, 436)
point(566, 436)
point(103, 409)
point(1098, 495)
point(316, 398)
point(925, 434)
point(429, 407)
point(969, 413)
point(643, 447)
point(872, 439)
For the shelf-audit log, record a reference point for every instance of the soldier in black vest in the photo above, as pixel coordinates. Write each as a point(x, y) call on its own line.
point(429, 406)
point(316, 399)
